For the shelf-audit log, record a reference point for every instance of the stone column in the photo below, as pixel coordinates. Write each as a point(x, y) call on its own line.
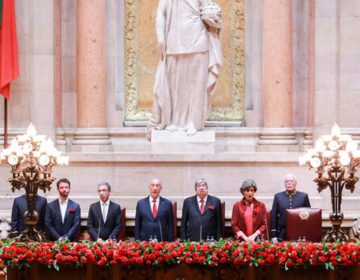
point(277, 53)
point(91, 62)
point(277, 77)
point(92, 134)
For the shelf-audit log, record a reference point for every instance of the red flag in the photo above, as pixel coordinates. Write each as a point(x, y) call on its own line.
point(9, 66)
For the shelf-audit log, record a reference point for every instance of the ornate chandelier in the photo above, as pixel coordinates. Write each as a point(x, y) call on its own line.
point(335, 158)
point(32, 158)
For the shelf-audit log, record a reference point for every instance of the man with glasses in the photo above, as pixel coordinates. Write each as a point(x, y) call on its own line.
point(104, 220)
point(201, 215)
point(154, 216)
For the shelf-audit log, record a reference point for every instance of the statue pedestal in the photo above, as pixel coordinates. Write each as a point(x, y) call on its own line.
point(163, 141)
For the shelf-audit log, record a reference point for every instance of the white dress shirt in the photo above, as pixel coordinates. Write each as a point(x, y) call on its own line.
point(104, 209)
point(63, 207)
point(199, 202)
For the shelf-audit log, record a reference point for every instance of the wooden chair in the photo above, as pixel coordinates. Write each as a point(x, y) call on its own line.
point(222, 218)
point(174, 208)
point(122, 233)
point(305, 222)
point(268, 225)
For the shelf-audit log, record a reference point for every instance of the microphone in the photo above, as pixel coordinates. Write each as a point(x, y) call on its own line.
point(161, 235)
point(200, 232)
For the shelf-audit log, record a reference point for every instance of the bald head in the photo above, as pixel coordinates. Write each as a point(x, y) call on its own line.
point(155, 187)
point(290, 183)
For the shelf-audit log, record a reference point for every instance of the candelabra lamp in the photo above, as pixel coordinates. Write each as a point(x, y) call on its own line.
point(335, 158)
point(32, 158)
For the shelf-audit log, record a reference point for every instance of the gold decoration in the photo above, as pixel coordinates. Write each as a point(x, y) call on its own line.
point(304, 215)
point(137, 109)
point(335, 158)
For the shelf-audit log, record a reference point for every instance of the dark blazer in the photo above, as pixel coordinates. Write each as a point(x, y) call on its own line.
point(54, 225)
point(96, 226)
point(162, 226)
point(283, 201)
point(18, 210)
point(192, 222)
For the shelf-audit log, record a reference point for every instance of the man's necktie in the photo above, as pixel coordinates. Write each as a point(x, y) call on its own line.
point(154, 210)
point(202, 206)
point(104, 211)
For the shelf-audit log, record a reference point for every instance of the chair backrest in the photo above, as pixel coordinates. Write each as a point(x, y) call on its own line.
point(174, 208)
point(222, 218)
point(303, 222)
point(268, 225)
point(122, 233)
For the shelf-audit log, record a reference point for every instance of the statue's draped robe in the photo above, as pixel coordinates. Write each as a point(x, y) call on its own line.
point(186, 78)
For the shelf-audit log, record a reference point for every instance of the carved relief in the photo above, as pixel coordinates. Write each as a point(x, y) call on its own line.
point(141, 61)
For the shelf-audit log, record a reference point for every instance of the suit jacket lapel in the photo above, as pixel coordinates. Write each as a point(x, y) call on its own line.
point(196, 204)
point(99, 212)
point(110, 209)
point(57, 209)
point(67, 211)
point(148, 207)
point(208, 202)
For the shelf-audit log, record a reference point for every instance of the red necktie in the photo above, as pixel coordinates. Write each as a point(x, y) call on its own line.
point(202, 206)
point(154, 209)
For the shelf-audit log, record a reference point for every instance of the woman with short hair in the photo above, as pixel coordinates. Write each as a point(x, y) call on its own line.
point(248, 218)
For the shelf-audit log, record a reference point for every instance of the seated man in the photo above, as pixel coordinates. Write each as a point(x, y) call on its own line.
point(63, 215)
point(104, 220)
point(290, 198)
point(18, 210)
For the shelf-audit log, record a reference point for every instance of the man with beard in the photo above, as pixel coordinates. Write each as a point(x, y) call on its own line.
point(63, 215)
point(201, 215)
point(154, 216)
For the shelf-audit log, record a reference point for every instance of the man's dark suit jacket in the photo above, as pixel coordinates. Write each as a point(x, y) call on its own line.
point(96, 226)
point(54, 225)
point(208, 223)
point(283, 201)
point(18, 210)
point(162, 226)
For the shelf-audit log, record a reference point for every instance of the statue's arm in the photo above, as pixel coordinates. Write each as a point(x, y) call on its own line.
point(160, 27)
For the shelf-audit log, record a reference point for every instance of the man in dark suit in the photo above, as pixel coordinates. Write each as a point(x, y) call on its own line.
point(201, 215)
point(154, 216)
point(63, 215)
point(290, 198)
point(104, 220)
point(18, 210)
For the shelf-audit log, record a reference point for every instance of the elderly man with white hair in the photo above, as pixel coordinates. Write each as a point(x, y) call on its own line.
point(290, 198)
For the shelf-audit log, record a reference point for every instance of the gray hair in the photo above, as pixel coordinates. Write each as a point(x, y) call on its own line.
point(201, 182)
point(290, 175)
point(105, 184)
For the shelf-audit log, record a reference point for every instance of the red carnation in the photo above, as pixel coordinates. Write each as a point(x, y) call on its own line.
point(211, 207)
point(71, 210)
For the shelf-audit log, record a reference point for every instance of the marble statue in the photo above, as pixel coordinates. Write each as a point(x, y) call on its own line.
point(188, 36)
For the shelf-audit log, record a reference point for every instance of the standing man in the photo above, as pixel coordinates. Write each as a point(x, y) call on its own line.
point(63, 215)
point(290, 198)
point(104, 220)
point(201, 215)
point(18, 210)
point(190, 59)
point(154, 216)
